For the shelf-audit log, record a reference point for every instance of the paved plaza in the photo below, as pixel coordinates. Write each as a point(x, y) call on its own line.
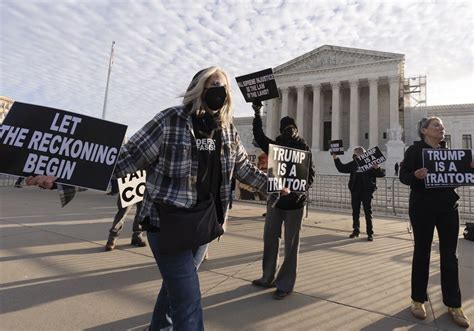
point(55, 274)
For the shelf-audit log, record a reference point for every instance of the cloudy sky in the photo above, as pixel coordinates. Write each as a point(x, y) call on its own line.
point(56, 53)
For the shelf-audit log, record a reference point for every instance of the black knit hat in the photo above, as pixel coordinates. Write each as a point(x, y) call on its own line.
point(285, 121)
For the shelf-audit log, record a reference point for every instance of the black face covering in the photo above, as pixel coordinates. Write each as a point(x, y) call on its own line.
point(290, 132)
point(214, 97)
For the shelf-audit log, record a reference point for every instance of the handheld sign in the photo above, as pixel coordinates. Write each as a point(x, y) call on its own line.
point(79, 150)
point(336, 147)
point(287, 167)
point(258, 86)
point(448, 167)
point(370, 158)
point(132, 188)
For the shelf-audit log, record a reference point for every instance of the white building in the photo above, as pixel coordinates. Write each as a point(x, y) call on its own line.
point(350, 94)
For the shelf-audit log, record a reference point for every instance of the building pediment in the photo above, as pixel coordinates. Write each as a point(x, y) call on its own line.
point(328, 57)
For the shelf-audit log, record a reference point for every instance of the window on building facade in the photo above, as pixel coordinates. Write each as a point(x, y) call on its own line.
point(447, 138)
point(467, 141)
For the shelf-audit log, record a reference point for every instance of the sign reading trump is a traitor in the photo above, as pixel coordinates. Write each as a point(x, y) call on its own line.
point(287, 167)
point(370, 159)
point(79, 150)
point(448, 167)
point(258, 86)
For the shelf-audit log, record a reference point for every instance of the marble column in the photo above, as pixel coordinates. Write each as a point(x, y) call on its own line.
point(354, 114)
point(394, 82)
point(299, 110)
point(271, 109)
point(284, 101)
point(316, 125)
point(373, 112)
point(336, 111)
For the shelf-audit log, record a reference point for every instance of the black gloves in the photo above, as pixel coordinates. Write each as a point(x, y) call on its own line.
point(257, 107)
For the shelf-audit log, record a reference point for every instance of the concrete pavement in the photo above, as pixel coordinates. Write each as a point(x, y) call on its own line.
point(55, 274)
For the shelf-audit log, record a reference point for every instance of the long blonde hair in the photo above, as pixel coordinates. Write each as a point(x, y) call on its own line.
point(193, 95)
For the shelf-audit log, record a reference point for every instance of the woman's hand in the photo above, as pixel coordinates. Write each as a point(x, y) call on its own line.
point(285, 191)
point(41, 181)
point(421, 173)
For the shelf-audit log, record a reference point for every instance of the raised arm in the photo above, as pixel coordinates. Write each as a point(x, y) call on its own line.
point(257, 127)
point(341, 167)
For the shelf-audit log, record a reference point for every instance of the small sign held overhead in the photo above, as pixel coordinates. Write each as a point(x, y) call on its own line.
point(258, 86)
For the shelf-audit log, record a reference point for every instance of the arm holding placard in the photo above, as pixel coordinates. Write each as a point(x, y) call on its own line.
point(408, 173)
point(341, 167)
point(245, 171)
point(257, 126)
point(142, 148)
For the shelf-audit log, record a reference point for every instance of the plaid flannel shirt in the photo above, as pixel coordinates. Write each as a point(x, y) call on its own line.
point(166, 148)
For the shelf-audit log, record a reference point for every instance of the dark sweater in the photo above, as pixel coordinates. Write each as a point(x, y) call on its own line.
point(442, 197)
point(293, 200)
point(359, 181)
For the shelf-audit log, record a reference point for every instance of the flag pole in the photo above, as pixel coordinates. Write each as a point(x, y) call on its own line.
point(111, 60)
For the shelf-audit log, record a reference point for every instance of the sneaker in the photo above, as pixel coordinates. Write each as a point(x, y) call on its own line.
point(459, 317)
point(110, 245)
point(370, 237)
point(138, 241)
point(260, 282)
point(280, 294)
point(354, 234)
point(418, 310)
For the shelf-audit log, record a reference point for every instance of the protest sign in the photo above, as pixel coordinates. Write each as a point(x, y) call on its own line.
point(336, 147)
point(448, 167)
point(370, 158)
point(79, 150)
point(287, 167)
point(132, 188)
point(258, 86)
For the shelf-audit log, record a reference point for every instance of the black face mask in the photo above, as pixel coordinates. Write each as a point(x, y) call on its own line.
point(290, 132)
point(215, 97)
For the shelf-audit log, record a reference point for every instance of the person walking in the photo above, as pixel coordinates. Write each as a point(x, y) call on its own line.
point(362, 186)
point(119, 221)
point(429, 209)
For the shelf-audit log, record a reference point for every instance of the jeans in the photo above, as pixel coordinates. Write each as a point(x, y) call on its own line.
point(120, 218)
point(178, 306)
point(366, 198)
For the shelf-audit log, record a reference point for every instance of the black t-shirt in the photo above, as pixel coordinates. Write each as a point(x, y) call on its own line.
point(209, 178)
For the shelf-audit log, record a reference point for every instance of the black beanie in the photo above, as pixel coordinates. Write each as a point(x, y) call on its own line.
point(285, 121)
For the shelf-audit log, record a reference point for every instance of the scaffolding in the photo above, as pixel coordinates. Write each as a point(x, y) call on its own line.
point(414, 91)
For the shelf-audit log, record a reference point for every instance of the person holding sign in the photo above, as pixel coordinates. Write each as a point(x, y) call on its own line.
point(190, 153)
point(287, 209)
point(362, 186)
point(429, 209)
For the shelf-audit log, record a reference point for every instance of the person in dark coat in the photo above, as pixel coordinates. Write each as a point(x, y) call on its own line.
point(362, 186)
point(286, 209)
point(429, 209)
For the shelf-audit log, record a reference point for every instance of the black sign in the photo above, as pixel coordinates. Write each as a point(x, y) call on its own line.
point(258, 86)
point(79, 150)
point(448, 167)
point(370, 158)
point(287, 167)
point(336, 148)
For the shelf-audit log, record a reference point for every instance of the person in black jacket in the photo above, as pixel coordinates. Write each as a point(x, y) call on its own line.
point(430, 208)
point(287, 209)
point(362, 186)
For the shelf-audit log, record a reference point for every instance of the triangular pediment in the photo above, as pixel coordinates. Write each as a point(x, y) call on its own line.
point(328, 56)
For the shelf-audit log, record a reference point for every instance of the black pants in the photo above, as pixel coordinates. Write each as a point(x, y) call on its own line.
point(424, 219)
point(366, 198)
